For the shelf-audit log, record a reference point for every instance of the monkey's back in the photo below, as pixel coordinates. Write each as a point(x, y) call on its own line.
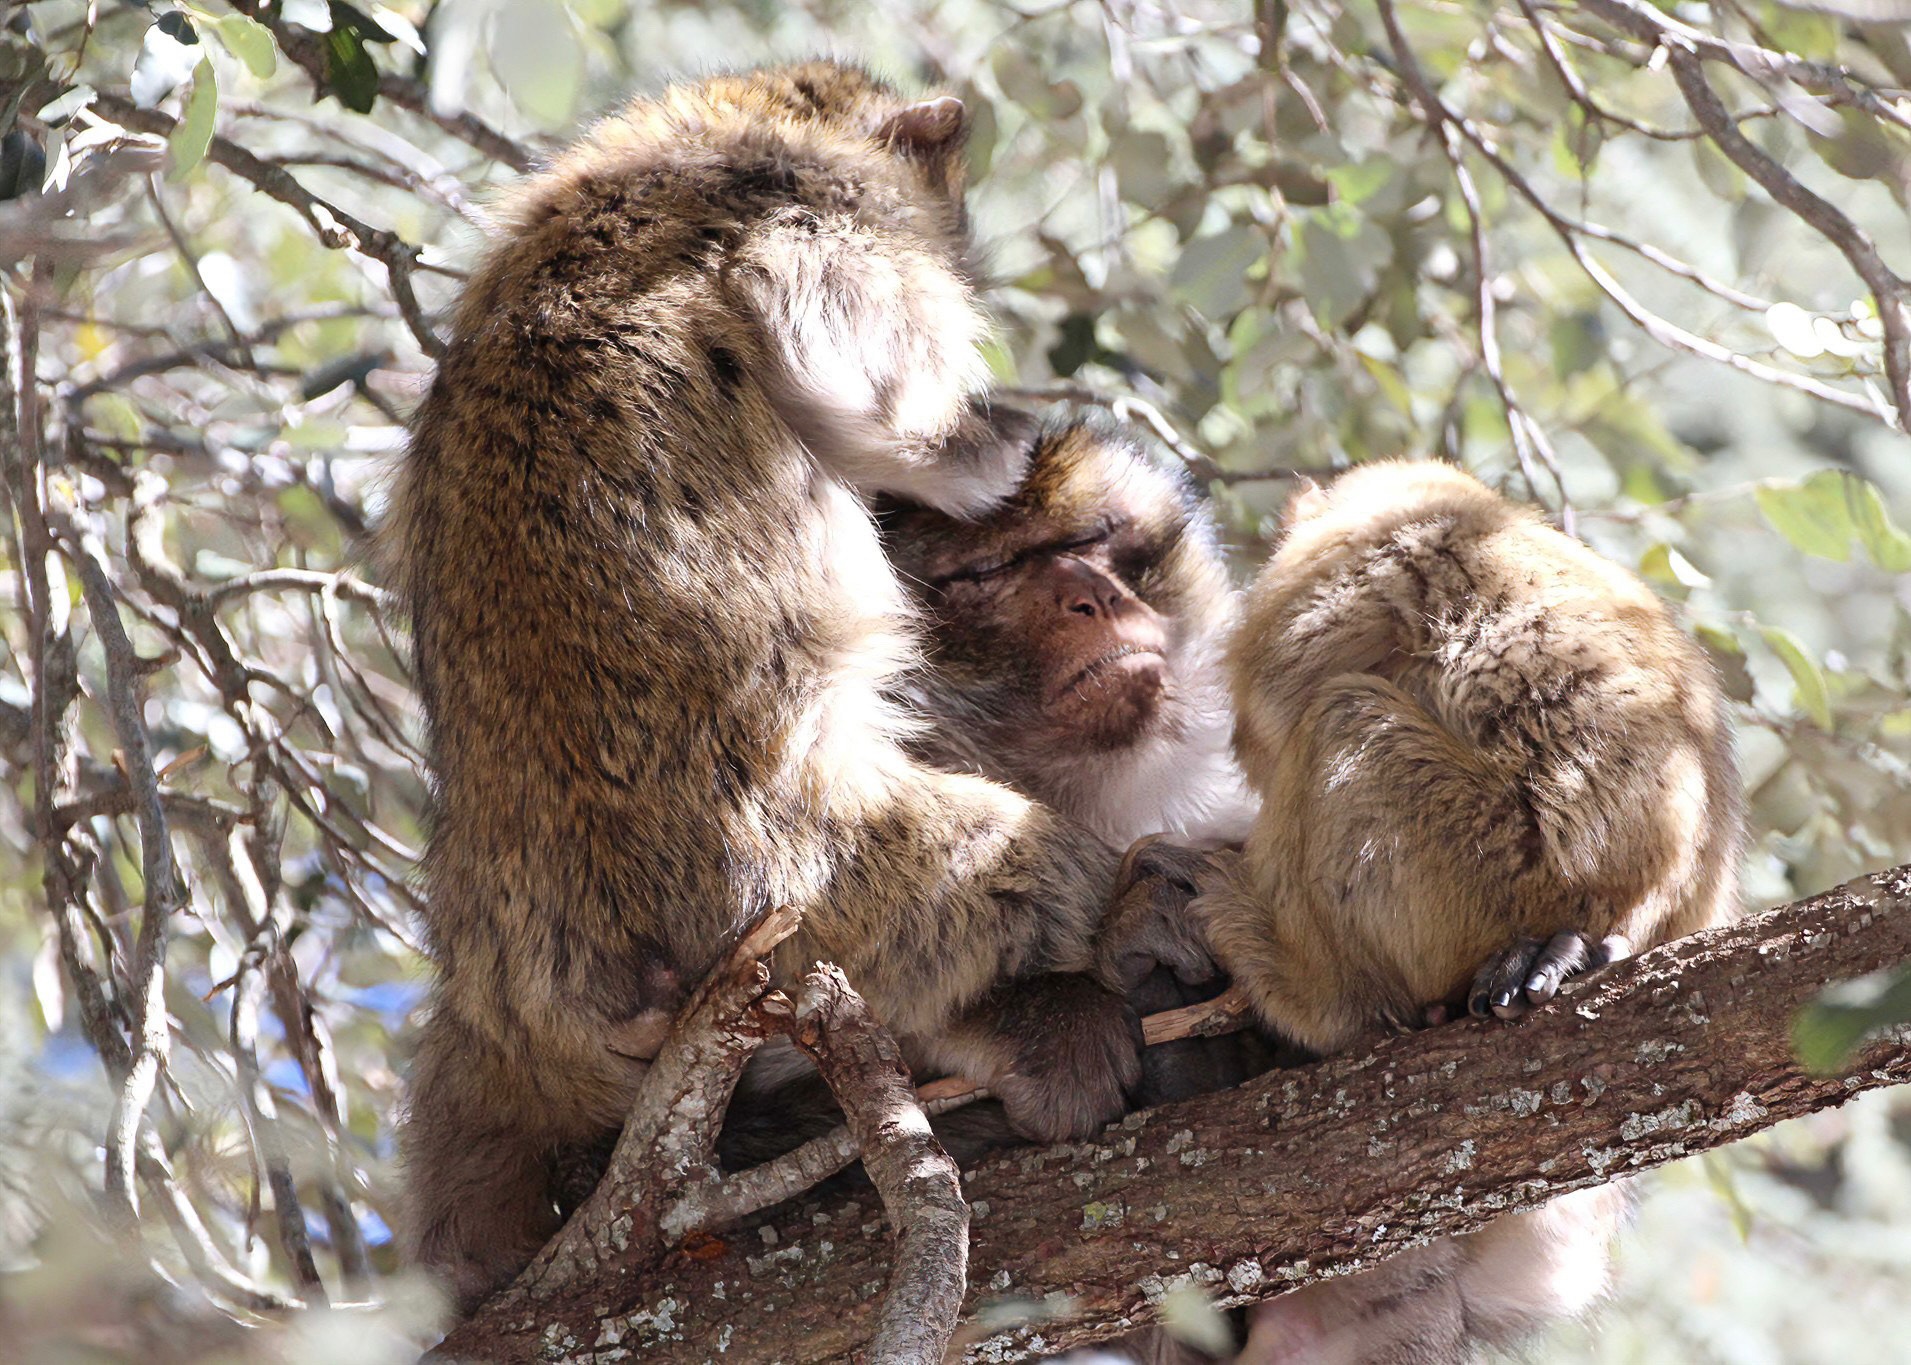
point(632, 592)
point(1494, 705)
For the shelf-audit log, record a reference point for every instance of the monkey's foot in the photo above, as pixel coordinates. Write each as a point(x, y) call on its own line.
point(1530, 971)
point(1077, 1054)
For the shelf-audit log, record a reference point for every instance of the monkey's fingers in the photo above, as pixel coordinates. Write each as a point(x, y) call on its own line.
point(1565, 954)
point(1497, 986)
point(1529, 972)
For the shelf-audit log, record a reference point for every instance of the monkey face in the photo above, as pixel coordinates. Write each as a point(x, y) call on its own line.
point(1059, 621)
point(1087, 660)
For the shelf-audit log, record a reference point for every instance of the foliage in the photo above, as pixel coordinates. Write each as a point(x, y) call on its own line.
point(1513, 235)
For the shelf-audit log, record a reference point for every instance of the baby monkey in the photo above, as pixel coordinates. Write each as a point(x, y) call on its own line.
point(1468, 724)
point(1462, 724)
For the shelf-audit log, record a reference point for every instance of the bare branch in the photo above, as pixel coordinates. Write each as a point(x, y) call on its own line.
point(306, 49)
point(334, 227)
point(1684, 48)
point(920, 1187)
point(1529, 440)
point(164, 889)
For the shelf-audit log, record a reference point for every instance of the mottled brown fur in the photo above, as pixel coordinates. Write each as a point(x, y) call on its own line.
point(1463, 724)
point(1464, 727)
point(656, 637)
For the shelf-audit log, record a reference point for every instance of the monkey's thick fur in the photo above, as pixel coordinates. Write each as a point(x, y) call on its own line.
point(1463, 725)
point(656, 634)
point(1093, 495)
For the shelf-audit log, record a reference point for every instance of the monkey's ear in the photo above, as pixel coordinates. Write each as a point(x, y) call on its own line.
point(1308, 499)
point(927, 128)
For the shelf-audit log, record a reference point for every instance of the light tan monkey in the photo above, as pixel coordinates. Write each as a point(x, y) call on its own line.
point(657, 639)
point(1463, 725)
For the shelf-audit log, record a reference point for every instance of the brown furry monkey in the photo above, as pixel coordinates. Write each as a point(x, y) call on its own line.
point(657, 638)
point(1463, 725)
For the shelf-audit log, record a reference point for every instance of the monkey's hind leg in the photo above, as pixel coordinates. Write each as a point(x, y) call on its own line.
point(478, 1173)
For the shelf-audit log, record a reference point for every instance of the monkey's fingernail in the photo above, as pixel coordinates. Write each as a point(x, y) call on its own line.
point(1501, 999)
point(1536, 984)
point(1477, 1005)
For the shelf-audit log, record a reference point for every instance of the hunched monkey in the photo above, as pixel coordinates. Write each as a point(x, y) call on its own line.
point(656, 636)
point(1462, 725)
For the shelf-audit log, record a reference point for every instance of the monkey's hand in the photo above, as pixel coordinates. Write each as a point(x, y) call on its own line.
point(1151, 919)
point(1530, 971)
point(1058, 1050)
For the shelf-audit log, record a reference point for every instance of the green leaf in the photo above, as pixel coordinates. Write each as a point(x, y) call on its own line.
point(1808, 680)
point(1888, 545)
point(193, 134)
point(248, 40)
point(1361, 181)
point(1664, 564)
point(1827, 1031)
point(1208, 276)
point(1812, 515)
point(349, 71)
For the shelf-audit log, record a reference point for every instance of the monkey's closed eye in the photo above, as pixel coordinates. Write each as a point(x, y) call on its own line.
point(983, 570)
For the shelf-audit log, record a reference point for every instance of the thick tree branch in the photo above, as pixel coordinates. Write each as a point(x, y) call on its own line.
point(920, 1187)
point(1299, 1173)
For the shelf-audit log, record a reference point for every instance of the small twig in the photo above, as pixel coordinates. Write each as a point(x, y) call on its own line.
point(920, 1186)
point(334, 227)
point(164, 892)
point(191, 258)
point(342, 584)
point(1529, 439)
point(262, 1120)
point(307, 50)
point(1664, 332)
point(1684, 48)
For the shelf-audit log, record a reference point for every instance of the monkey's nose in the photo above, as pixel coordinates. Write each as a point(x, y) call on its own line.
point(1084, 590)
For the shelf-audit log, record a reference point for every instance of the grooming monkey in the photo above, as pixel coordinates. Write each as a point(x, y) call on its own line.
point(1462, 725)
point(656, 637)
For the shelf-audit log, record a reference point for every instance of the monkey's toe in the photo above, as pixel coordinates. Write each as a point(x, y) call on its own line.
point(1530, 972)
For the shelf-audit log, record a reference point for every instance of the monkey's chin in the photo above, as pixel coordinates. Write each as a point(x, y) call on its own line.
point(1114, 705)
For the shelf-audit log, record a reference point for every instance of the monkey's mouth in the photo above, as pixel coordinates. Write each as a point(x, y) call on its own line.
point(1132, 660)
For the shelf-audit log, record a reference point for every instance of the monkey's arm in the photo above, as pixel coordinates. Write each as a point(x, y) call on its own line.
point(952, 893)
point(875, 362)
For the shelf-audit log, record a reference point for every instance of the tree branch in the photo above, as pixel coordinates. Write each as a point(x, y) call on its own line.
point(1299, 1173)
point(1685, 48)
point(334, 227)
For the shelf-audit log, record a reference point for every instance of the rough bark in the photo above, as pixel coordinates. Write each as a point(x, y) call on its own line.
point(1300, 1173)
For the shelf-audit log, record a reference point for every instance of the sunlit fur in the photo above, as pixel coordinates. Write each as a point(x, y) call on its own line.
point(656, 637)
point(1465, 727)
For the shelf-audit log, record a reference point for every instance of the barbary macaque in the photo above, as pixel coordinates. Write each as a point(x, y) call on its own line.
point(1075, 646)
point(656, 637)
point(1463, 726)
